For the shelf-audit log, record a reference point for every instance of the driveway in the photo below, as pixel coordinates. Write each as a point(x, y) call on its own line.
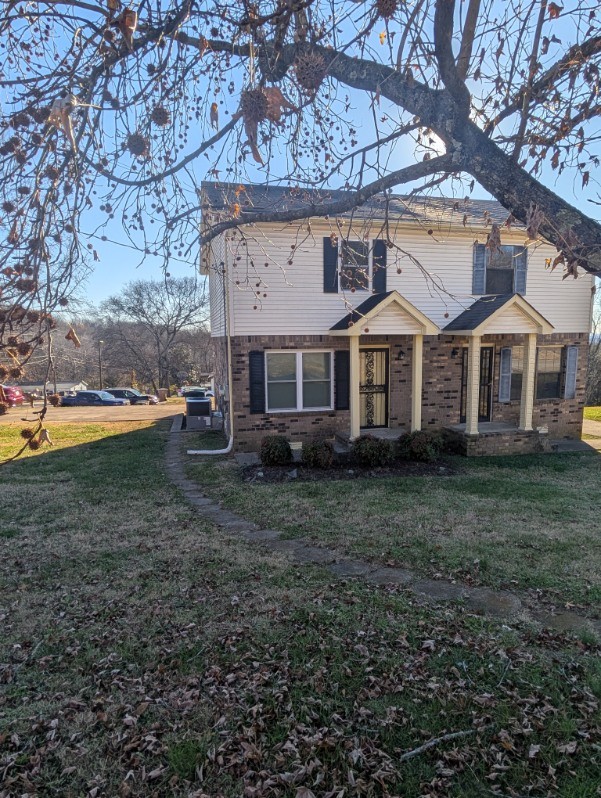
point(86, 415)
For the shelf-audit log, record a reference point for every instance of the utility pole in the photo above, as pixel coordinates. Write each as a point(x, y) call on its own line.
point(100, 345)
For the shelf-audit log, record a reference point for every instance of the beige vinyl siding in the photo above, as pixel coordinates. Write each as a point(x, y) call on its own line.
point(512, 320)
point(217, 287)
point(390, 322)
point(287, 298)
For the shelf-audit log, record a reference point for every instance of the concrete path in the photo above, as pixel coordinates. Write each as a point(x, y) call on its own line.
point(500, 604)
point(592, 428)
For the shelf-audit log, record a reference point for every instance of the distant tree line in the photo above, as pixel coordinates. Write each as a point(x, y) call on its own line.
point(153, 335)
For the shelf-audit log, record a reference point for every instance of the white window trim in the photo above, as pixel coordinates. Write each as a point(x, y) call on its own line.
point(370, 259)
point(299, 382)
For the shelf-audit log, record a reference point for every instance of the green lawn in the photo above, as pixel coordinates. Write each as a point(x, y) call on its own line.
point(525, 522)
point(592, 413)
point(146, 653)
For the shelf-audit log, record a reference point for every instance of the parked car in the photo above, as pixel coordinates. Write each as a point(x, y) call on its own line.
point(13, 395)
point(96, 398)
point(135, 397)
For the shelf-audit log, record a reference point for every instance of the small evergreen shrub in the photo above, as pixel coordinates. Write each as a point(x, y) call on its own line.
point(318, 455)
point(370, 451)
point(422, 445)
point(275, 451)
point(54, 399)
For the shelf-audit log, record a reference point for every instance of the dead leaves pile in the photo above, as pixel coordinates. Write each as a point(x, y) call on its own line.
point(321, 701)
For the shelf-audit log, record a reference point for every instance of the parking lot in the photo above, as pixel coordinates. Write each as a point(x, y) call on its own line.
point(86, 415)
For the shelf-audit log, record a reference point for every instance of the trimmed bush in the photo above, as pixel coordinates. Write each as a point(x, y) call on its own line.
point(370, 451)
point(54, 399)
point(421, 445)
point(275, 451)
point(318, 455)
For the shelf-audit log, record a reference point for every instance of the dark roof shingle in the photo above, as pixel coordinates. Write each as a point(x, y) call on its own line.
point(360, 311)
point(481, 310)
point(255, 199)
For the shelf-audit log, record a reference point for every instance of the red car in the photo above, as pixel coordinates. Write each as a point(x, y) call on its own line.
point(12, 395)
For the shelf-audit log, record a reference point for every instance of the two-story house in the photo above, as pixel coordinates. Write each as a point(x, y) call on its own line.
point(392, 318)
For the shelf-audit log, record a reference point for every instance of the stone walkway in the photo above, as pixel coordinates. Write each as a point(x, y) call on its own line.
point(500, 604)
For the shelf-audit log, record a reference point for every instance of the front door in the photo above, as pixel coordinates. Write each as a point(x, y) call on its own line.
point(373, 387)
point(486, 375)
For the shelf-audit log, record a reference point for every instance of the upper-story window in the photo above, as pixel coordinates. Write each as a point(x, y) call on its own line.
point(502, 271)
point(354, 271)
point(354, 265)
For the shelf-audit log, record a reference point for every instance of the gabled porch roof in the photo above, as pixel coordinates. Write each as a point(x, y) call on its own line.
point(502, 313)
point(388, 313)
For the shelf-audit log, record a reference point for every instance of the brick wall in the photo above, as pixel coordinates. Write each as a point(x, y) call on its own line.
point(563, 417)
point(249, 428)
point(440, 395)
point(498, 443)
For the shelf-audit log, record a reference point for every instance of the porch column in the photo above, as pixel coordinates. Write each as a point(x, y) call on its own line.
point(473, 386)
point(354, 378)
point(527, 397)
point(416, 382)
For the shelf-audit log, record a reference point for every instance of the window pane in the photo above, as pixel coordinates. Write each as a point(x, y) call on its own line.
point(499, 281)
point(281, 395)
point(548, 376)
point(355, 253)
point(281, 366)
point(517, 371)
point(549, 359)
point(316, 394)
point(356, 277)
point(502, 259)
point(316, 366)
point(516, 387)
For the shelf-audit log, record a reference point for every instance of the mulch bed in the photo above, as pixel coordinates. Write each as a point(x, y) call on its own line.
point(296, 472)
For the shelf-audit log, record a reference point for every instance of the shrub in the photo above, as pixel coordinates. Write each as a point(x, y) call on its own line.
point(3, 408)
point(275, 450)
point(421, 445)
point(370, 451)
point(318, 455)
point(54, 399)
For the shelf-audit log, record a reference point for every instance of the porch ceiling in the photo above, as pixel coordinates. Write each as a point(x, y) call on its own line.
point(504, 313)
point(385, 314)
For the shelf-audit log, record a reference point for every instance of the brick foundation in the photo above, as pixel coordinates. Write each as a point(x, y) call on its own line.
point(498, 443)
point(441, 392)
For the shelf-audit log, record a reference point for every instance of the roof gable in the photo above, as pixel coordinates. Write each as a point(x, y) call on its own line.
point(388, 313)
point(502, 313)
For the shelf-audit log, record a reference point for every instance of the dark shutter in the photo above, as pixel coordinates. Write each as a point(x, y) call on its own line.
point(505, 375)
point(256, 373)
point(342, 380)
point(330, 266)
point(379, 267)
point(479, 273)
point(521, 267)
point(571, 363)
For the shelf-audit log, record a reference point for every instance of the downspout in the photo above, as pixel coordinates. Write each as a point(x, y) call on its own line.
point(228, 356)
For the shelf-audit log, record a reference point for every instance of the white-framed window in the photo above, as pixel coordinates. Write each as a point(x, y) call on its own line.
point(549, 372)
point(355, 265)
point(299, 380)
point(556, 372)
point(511, 372)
